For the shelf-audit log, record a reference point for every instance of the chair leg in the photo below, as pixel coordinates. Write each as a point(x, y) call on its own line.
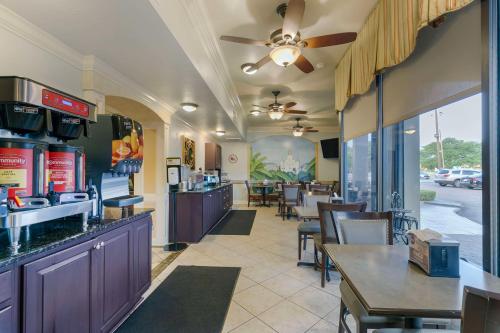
point(300, 246)
point(327, 266)
point(341, 317)
point(305, 241)
point(323, 269)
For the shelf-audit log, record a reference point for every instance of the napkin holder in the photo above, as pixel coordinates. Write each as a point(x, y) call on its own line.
point(436, 257)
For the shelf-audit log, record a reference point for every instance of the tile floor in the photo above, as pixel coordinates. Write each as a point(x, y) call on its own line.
point(272, 294)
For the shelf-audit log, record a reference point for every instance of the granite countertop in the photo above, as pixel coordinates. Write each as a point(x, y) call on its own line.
point(48, 235)
point(205, 189)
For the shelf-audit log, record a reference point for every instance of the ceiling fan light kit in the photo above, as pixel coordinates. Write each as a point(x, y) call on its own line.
point(286, 43)
point(297, 133)
point(275, 115)
point(285, 55)
point(249, 68)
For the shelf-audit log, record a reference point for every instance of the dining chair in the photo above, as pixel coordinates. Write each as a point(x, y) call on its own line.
point(290, 199)
point(363, 228)
point(306, 229)
point(480, 314)
point(252, 196)
point(370, 228)
point(279, 190)
point(327, 234)
point(319, 187)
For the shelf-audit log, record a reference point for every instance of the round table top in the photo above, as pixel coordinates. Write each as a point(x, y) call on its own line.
point(262, 185)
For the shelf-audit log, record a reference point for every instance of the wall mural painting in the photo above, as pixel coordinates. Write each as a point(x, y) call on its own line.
point(189, 152)
point(283, 158)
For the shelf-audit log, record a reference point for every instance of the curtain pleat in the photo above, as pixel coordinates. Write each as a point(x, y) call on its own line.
point(343, 81)
point(386, 39)
point(364, 55)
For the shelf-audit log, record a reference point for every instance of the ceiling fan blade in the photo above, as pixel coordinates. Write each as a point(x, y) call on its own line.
point(295, 112)
point(289, 105)
point(308, 127)
point(311, 131)
point(303, 64)
point(263, 61)
point(242, 40)
point(293, 18)
point(329, 40)
point(259, 106)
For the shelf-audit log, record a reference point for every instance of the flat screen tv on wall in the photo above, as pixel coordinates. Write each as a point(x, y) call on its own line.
point(330, 148)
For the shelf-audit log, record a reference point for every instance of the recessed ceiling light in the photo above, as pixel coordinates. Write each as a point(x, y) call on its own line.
point(220, 133)
point(320, 65)
point(255, 113)
point(189, 107)
point(249, 68)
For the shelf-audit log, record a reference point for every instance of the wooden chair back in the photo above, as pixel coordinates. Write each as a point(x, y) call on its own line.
point(291, 193)
point(480, 311)
point(326, 223)
point(363, 227)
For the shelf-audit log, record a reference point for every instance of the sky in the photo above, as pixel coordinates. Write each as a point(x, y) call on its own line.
point(461, 120)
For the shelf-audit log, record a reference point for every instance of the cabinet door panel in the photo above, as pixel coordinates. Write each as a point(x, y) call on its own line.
point(142, 257)
point(113, 265)
point(6, 320)
point(58, 292)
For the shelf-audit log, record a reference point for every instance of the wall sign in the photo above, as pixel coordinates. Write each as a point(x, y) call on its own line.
point(232, 158)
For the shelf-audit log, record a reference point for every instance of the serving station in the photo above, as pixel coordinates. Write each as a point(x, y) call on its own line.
point(74, 252)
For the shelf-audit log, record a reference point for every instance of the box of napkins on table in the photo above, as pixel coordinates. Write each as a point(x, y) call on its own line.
point(436, 254)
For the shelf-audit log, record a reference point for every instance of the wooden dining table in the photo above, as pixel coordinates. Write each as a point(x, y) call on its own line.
point(387, 284)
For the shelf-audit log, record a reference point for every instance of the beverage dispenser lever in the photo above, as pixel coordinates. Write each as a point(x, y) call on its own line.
point(53, 196)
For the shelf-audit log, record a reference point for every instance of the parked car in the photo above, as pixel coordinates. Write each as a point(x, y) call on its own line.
point(424, 175)
point(473, 182)
point(453, 176)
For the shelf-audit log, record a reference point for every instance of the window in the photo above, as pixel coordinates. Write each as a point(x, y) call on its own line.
point(435, 166)
point(360, 170)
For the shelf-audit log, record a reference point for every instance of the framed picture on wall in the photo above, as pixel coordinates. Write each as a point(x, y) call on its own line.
point(189, 152)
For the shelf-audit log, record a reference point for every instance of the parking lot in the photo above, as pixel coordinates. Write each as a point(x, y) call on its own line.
point(470, 200)
point(455, 212)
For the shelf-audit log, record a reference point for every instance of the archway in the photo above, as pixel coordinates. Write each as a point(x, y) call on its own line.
point(153, 187)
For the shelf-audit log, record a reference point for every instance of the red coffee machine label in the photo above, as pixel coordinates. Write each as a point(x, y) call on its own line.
point(16, 170)
point(61, 171)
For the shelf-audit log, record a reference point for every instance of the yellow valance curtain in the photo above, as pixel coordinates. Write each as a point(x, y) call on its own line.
point(386, 39)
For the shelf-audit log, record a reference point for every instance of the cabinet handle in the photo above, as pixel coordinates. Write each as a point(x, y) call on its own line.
point(99, 245)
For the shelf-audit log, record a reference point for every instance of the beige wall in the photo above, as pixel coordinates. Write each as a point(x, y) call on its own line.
point(149, 166)
point(239, 171)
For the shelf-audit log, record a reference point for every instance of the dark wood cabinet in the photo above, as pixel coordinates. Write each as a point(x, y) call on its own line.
point(213, 156)
point(142, 257)
point(89, 287)
point(112, 262)
point(197, 213)
point(8, 302)
point(58, 295)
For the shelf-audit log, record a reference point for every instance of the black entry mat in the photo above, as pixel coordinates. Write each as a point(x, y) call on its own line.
point(191, 299)
point(237, 222)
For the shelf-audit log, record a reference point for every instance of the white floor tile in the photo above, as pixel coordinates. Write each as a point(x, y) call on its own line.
point(236, 316)
point(253, 326)
point(287, 317)
point(257, 299)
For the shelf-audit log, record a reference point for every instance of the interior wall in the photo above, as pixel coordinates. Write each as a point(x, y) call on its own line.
point(178, 129)
point(237, 171)
point(20, 57)
point(149, 166)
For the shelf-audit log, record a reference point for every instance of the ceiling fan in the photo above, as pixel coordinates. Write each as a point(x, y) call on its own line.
point(287, 44)
point(298, 129)
point(277, 110)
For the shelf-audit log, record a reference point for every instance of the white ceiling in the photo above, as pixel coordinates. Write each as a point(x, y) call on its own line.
point(256, 19)
point(130, 36)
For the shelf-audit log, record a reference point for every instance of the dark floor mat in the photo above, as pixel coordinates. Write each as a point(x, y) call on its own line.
point(237, 222)
point(191, 299)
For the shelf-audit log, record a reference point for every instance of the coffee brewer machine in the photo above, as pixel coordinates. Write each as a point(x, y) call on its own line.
point(114, 152)
point(41, 177)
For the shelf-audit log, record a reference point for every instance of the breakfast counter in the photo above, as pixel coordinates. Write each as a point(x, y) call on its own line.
point(197, 212)
point(65, 262)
